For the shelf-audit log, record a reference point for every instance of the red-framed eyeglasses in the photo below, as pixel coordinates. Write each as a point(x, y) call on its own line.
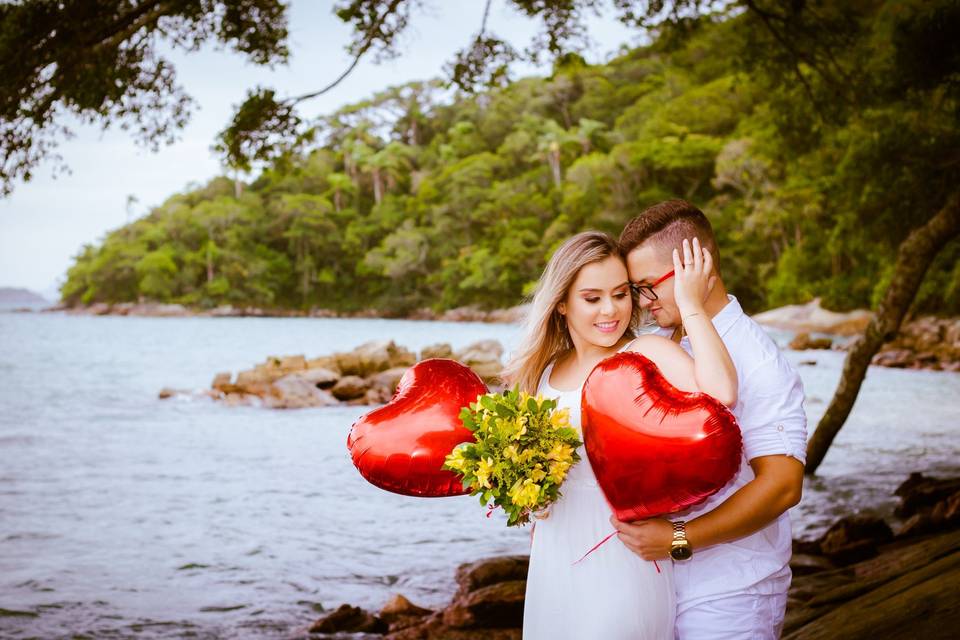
point(646, 290)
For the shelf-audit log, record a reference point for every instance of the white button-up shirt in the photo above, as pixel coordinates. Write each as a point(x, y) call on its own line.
point(772, 421)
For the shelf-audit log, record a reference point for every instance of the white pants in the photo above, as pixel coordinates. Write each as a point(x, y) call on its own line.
point(745, 616)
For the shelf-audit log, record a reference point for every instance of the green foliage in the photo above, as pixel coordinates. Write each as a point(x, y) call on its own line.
point(812, 177)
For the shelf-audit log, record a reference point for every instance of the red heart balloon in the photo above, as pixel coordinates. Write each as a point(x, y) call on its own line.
point(654, 448)
point(401, 446)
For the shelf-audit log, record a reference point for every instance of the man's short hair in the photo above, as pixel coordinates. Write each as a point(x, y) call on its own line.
point(667, 224)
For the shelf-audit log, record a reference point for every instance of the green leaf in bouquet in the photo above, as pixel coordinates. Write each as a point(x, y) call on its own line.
point(488, 403)
point(548, 405)
point(532, 405)
point(466, 417)
point(505, 411)
point(468, 481)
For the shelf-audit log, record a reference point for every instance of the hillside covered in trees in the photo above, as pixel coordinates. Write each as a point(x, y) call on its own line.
point(420, 197)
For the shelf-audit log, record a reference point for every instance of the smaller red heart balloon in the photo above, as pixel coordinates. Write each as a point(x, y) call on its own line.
point(654, 449)
point(401, 446)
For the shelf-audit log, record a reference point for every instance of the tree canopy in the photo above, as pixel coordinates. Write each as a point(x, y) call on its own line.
point(815, 150)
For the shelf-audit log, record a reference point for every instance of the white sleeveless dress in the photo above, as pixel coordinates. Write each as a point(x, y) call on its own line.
point(612, 594)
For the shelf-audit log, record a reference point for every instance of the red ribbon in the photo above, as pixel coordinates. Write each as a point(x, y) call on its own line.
point(597, 546)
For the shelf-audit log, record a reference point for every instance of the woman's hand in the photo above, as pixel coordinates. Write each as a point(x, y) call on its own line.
point(693, 277)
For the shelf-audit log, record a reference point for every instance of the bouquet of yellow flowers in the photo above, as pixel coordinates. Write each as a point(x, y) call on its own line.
point(523, 448)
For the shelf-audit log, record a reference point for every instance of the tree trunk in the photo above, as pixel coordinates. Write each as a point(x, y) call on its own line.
point(377, 186)
point(913, 259)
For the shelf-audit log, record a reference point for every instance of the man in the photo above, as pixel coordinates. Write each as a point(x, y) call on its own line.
point(732, 552)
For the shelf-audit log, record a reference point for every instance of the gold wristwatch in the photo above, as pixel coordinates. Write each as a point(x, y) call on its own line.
point(680, 547)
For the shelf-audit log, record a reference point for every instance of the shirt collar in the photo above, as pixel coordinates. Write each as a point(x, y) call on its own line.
point(728, 315)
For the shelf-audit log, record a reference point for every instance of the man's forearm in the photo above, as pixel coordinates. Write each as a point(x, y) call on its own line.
point(776, 487)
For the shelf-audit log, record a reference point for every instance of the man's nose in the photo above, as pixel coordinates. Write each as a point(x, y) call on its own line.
point(644, 302)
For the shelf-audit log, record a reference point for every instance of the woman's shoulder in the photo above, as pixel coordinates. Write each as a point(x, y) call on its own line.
point(652, 343)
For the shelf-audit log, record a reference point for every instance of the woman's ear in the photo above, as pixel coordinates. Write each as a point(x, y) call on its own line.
point(562, 309)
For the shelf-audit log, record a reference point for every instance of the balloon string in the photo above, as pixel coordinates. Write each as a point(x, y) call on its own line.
point(597, 546)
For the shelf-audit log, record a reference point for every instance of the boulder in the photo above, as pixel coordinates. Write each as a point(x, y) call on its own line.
point(295, 392)
point(802, 341)
point(376, 395)
point(896, 358)
point(388, 379)
point(324, 362)
point(480, 351)
point(512, 315)
point(349, 364)
point(350, 387)
point(241, 400)
point(812, 317)
point(484, 358)
point(919, 492)
point(855, 538)
point(471, 576)
point(493, 606)
point(321, 378)
point(439, 350)
point(399, 607)
point(349, 619)
point(489, 372)
point(221, 380)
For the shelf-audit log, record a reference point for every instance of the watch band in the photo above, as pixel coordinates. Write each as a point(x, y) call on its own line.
point(679, 531)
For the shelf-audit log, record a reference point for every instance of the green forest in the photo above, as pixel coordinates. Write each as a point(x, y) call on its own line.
point(423, 196)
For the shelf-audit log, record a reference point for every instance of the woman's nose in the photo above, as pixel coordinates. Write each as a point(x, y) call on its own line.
point(607, 308)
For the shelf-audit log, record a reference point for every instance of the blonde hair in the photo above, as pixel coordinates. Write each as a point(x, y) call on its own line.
point(545, 333)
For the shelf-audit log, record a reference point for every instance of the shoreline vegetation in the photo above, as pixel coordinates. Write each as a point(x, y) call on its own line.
point(859, 580)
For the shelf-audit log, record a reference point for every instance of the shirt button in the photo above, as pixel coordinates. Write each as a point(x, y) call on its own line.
point(779, 427)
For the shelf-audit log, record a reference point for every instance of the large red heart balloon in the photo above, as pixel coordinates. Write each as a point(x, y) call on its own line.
point(401, 446)
point(654, 448)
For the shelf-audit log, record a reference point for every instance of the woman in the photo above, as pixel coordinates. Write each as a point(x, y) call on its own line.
point(582, 312)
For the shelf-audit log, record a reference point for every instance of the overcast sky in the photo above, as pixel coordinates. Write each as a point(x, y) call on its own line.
point(45, 222)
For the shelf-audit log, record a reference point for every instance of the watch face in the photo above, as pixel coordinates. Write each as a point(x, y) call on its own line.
point(680, 552)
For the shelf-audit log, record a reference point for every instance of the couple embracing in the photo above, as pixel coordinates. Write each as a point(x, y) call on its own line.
point(723, 569)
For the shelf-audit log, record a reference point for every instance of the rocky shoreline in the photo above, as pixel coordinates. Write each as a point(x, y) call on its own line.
point(859, 580)
point(161, 310)
point(367, 375)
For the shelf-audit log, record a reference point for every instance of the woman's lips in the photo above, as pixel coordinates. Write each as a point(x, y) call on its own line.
point(607, 327)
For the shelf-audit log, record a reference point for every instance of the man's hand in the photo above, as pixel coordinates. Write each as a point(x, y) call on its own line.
point(649, 539)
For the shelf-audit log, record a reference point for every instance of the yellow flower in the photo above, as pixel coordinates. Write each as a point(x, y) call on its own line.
point(455, 459)
point(537, 473)
point(558, 471)
point(484, 468)
point(510, 453)
point(521, 427)
point(560, 418)
point(524, 493)
point(560, 452)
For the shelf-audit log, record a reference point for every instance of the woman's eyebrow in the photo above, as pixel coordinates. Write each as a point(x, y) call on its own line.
point(625, 284)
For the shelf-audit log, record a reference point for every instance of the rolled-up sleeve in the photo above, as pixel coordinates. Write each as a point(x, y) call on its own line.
point(771, 415)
